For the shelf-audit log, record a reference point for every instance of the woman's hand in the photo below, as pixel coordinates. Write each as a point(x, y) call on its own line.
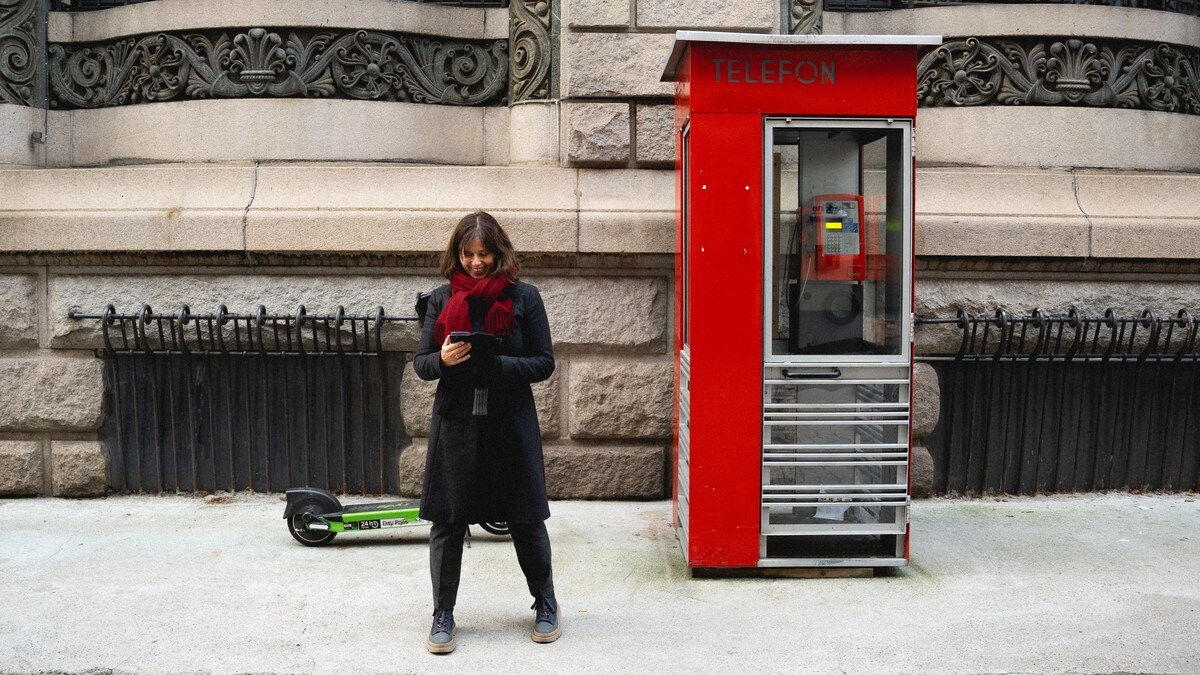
point(454, 353)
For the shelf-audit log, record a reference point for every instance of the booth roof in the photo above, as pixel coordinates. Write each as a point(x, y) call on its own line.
point(684, 37)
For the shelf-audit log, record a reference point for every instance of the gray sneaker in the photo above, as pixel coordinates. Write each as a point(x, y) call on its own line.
point(441, 635)
point(545, 622)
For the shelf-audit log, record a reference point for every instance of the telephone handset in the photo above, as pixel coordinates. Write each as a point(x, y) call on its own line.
point(834, 238)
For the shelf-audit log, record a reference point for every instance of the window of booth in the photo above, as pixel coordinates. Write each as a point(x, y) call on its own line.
point(837, 199)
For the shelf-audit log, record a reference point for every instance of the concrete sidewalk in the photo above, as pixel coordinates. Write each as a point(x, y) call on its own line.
point(1101, 583)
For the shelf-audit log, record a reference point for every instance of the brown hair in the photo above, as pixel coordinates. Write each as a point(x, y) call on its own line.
point(482, 226)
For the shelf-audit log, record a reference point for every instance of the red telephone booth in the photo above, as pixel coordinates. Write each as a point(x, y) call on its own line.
point(793, 297)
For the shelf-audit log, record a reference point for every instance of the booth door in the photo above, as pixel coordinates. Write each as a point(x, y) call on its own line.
point(836, 372)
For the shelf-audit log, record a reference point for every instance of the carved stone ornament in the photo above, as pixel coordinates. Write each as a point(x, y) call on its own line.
point(260, 62)
point(804, 17)
point(18, 52)
point(532, 48)
point(1060, 71)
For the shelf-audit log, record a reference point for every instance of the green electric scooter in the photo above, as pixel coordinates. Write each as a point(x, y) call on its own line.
point(315, 516)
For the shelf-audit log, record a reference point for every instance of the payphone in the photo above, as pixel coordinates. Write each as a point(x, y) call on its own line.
point(793, 297)
point(829, 267)
point(833, 239)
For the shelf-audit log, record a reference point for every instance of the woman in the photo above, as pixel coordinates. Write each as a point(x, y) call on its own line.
point(485, 450)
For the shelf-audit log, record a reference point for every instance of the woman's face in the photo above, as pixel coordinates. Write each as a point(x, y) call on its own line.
point(476, 259)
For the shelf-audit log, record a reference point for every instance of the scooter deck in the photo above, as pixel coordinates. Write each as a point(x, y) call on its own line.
point(377, 516)
point(380, 506)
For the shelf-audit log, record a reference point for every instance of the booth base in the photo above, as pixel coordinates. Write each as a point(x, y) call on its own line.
point(832, 546)
point(786, 572)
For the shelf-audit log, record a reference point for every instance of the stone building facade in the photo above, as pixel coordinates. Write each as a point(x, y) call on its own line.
point(208, 152)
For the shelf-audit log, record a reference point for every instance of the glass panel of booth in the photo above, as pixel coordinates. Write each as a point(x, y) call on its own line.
point(837, 211)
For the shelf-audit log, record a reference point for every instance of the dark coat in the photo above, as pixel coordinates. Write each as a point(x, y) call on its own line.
point(487, 468)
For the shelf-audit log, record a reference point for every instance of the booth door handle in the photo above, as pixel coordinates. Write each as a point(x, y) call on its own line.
point(831, 374)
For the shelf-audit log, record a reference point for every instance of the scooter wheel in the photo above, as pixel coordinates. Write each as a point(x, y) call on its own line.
point(495, 528)
point(301, 533)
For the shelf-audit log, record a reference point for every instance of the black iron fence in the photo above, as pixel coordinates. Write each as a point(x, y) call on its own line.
point(1043, 404)
point(264, 402)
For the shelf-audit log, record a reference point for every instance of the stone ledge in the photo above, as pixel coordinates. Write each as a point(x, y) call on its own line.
point(157, 208)
point(1058, 213)
point(182, 207)
point(1138, 238)
point(552, 211)
point(160, 230)
point(79, 469)
point(50, 392)
point(1016, 235)
point(572, 471)
point(1139, 215)
point(129, 188)
point(397, 187)
point(319, 230)
point(358, 208)
point(1049, 136)
point(1126, 194)
point(637, 232)
point(20, 468)
point(996, 192)
point(1025, 19)
point(980, 212)
point(627, 190)
point(627, 210)
point(384, 15)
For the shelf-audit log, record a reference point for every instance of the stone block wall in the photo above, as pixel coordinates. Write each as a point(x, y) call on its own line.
point(605, 413)
point(597, 243)
point(50, 401)
point(926, 405)
point(616, 112)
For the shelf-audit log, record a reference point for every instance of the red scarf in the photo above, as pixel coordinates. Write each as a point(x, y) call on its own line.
point(454, 316)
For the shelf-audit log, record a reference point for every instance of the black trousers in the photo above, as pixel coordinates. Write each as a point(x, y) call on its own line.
point(445, 560)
